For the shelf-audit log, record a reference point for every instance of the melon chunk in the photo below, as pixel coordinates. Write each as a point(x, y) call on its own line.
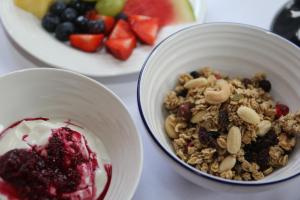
point(167, 11)
point(37, 7)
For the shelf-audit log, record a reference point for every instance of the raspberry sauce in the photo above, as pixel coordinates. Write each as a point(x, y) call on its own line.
point(63, 169)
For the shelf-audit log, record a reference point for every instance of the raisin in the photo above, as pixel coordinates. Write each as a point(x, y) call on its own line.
point(182, 93)
point(223, 119)
point(213, 134)
point(246, 82)
point(206, 139)
point(265, 85)
point(195, 74)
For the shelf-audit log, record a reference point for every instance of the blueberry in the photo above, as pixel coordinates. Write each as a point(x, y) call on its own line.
point(265, 85)
point(58, 7)
point(121, 15)
point(78, 5)
point(68, 15)
point(95, 27)
point(81, 24)
point(195, 74)
point(64, 30)
point(50, 22)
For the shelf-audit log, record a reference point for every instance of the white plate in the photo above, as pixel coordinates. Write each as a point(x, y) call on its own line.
point(26, 31)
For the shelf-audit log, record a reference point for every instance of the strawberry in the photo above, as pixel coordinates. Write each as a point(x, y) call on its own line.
point(121, 30)
point(86, 42)
point(146, 28)
point(108, 21)
point(121, 48)
point(91, 15)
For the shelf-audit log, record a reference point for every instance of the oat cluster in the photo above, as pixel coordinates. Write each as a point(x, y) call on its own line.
point(229, 127)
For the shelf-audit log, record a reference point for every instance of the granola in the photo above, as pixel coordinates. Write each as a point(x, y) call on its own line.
point(229, 127)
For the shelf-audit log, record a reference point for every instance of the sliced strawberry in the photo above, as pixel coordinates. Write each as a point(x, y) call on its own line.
point(121, 30)
point(109, 22)
point(121, 48)
point(146, 28)
point(91, 15)
point(86, 42)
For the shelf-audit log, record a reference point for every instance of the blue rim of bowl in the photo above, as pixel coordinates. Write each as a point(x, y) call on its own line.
point(170, 155)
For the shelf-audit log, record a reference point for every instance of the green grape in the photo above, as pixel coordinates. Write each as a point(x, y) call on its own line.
point(110, 7)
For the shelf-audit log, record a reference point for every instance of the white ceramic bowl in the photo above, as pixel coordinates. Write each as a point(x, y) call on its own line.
point(236, 50)
point(56, 93)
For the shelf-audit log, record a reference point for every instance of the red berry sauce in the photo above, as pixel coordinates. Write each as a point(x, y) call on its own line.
point(64, 169)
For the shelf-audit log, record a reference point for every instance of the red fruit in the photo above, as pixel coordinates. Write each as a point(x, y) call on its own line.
point(121, 30)
point(109, 22)
point(281, 110)
point(91, 15)
point(86, 42)
point(121, 48)
point(146, 28)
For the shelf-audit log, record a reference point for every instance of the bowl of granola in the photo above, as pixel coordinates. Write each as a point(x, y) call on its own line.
point(231, 126)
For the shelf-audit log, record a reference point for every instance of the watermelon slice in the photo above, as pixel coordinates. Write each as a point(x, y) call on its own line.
point(167, 11)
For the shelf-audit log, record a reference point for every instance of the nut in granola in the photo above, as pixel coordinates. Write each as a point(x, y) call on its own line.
point(234, 140)
point(218, 97)
point(227, 164)
point(248, 115)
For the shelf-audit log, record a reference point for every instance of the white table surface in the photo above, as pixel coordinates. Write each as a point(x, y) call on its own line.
point(158, 180)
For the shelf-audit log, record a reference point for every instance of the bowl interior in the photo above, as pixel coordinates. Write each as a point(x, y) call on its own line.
point(235, 50)
point(59, 94)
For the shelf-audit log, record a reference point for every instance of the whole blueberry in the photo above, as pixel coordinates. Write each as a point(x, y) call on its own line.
point(81, 24)
point(78, 5)
point(58, 7)
point(64, 30)
point(95, 27)
point(121, 15)
point(50, 22)
point(68, 15)
point(265, 85)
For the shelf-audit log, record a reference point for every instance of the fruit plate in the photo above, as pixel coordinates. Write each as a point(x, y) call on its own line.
point(26, 30)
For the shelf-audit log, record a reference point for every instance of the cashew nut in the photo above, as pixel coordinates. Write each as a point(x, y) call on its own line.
point(170, 124)
point(198, 82)
point(217, 97)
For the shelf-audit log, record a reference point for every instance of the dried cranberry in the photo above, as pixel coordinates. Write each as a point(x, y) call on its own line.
point(281, 110)
point(195, 74)
point(184, 111)
point(218, 76)
point(265, 85)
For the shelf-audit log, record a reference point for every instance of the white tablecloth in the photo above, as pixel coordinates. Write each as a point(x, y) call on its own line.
point(158, 180)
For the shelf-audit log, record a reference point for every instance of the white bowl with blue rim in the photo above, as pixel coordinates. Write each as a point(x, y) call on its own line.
point(233, 49)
